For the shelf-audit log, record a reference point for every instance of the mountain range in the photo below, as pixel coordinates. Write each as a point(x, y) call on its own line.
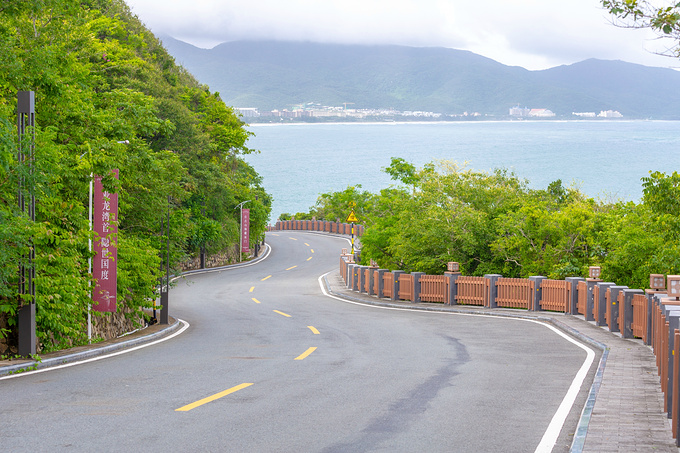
point(280, 75)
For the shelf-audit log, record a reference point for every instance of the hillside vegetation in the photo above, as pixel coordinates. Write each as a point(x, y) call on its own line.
point(277, 75)
point(100, 78)
point(493, 223)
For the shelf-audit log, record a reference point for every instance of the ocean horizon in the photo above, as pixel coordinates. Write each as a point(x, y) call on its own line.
point(605, 159)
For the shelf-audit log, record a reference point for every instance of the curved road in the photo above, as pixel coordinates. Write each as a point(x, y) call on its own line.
point(270, 364)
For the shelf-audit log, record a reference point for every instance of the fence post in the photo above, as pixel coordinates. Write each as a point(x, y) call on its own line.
point(350, 275)
point(590, 303)
point(651, 294)
point(395, 284)
point(602, 303)
point(381, 282)
point(357, 278)
point(416, 286)
point(673, 318)
point(360, 278)
point(627, 328)
point(493, 291)
point(453, 286)
point(371, 280)
point(538, 292)
point(614, 307)
point(573, 299)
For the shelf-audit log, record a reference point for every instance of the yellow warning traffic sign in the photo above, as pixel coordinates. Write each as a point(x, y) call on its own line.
point(352, 217)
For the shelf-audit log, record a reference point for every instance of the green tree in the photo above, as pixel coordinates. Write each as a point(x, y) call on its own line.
point(661, 17)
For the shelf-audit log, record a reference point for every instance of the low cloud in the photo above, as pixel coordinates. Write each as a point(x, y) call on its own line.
point(535, 34)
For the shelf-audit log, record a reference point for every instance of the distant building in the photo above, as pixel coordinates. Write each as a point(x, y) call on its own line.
point(610, 114)
point(541, 113)
point(584, 114)
point(519, 111)
point(248, 112)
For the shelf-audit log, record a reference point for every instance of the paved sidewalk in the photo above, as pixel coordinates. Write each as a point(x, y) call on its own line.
point(627, 415)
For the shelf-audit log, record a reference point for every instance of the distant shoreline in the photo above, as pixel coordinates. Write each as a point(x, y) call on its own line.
point(343, 123)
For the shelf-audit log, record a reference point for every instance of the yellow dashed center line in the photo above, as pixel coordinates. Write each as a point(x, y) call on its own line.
point(216, 396)
point(292, 267)
point(255, 300)
point(282, 314)
point(305, 354)
point(313, 329)
point(293, 239)
point(252, 288)
point(309, 258)
point(268, 276)
point(312, 250)
point(306, 244)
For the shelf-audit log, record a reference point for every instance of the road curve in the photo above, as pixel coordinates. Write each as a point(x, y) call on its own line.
point(271, 364)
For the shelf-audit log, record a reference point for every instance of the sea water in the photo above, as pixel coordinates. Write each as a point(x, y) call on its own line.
point(604, 159)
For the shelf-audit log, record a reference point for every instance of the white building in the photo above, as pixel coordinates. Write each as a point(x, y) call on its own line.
point(519, 111)
point(248, 112)
point(541, 113)
point(610, 114)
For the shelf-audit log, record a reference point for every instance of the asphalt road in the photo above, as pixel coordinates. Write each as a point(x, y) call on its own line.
point(270, 364)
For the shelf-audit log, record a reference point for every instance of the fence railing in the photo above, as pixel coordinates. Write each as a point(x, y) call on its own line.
point(651, 315)
point(514, 292)
point(317, 225)
point(555, 295)
point(434, 288)
point(471, 290)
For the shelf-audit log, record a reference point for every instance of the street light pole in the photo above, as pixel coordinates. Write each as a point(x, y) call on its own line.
point(240, 230)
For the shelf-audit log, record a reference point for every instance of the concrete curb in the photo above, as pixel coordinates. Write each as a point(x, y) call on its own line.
point(95, 351)
point(580, 436)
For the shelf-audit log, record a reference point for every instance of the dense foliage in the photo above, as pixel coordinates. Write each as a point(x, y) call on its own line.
point(102, 78)
point(494, 223)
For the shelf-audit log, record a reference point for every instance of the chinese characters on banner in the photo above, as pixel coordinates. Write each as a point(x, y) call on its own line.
point(105, 225)
point(245, 230)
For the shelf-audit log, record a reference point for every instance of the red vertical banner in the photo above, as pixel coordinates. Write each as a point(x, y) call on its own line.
point(245, 230)
point(105, 225)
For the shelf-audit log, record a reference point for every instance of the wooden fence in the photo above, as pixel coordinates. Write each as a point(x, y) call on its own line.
point(514, 292)
point(555, 295)
point(434, 288)
point(471, 290)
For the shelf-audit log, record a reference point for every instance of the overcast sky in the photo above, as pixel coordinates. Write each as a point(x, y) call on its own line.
point(535, 34)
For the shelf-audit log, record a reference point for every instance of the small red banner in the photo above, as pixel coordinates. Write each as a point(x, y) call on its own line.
point(245, 230)
point(105, 225)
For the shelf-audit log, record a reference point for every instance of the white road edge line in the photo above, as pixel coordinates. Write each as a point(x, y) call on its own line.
point(555, 427)
point(94, 359)
point(225, 269)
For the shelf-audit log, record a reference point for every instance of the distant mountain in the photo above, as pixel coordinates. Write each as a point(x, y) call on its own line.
point(276, 75)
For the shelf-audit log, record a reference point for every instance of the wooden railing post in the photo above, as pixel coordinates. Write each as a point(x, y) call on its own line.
point(573, 298)
point(627, 327)
point(536, 299)
point(395, 284)
point(493, 291)
point(416, 286)
point(590, 303)
point(672, 313)
point(601, 303)
point(452, 287)
point(381, 282)
point(361, 284)
point(613, 322)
